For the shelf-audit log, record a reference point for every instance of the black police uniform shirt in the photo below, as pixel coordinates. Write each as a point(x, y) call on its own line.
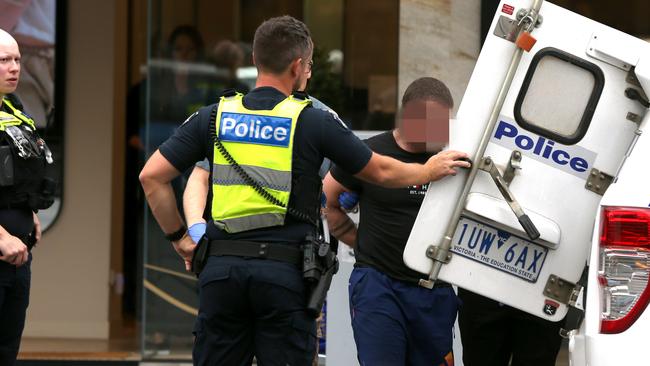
point(386, 215)
point(19, 222)
point(319, 134)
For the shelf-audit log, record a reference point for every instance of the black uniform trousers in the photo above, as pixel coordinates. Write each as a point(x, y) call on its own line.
point(493, 333)
point(14, 298)
point(252, 307)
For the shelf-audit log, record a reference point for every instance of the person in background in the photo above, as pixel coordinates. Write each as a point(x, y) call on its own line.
point(495, 334)
point(176, 87)
point(228, 57)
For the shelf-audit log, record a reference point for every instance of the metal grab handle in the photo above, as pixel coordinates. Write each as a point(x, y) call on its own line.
point(528, 226)
point(526, 223)
point(445, 245)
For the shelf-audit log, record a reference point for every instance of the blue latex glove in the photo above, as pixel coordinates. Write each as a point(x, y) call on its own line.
point(196, 231)
point(348, 200)
point(323, 200)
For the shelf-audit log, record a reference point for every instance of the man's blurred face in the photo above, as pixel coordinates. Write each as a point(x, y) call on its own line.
point(425, 122)
point(9, 65)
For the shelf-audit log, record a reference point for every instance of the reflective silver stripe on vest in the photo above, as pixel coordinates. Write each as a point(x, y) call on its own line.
point(226, 175)
point(251, 222)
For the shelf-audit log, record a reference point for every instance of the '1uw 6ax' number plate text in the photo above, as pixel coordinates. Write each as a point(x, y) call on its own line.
point(499, 249)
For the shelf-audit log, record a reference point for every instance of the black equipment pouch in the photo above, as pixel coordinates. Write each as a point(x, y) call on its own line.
point(320, 264)
point(24, 161)
point(6, 166)
point(200, 256)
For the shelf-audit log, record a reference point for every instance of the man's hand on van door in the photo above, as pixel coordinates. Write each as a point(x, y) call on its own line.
point(446, 163)
point(185, 248)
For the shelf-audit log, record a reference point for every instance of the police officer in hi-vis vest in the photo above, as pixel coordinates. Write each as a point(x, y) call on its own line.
point(265, 150)
point(24, 188)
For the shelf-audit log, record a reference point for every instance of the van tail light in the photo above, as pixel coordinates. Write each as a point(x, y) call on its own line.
point(624, 266)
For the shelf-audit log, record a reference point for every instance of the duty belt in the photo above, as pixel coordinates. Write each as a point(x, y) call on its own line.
point(251, 249)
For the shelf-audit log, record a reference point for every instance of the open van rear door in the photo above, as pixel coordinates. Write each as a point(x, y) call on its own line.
point(551, 110)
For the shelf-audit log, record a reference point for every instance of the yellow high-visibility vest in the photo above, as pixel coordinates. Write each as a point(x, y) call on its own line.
point(15, 118)
point(261, 142)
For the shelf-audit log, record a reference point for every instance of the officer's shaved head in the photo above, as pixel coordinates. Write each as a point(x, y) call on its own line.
point(9, 63)
point(6, 39)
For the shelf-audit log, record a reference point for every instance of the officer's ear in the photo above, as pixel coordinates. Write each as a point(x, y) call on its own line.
point(295, 68)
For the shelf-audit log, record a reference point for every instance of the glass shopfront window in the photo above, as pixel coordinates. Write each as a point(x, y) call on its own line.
point(198, 48)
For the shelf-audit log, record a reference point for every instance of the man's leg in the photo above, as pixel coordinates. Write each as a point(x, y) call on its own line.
point(377, 320)
point(485, 330)
point(431, 315)
point(536, 342)
point(224, 327)
point(14, 298)
point(284, 333)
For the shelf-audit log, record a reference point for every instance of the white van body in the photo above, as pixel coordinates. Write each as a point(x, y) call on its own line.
point(568, 116)
point(591, 345)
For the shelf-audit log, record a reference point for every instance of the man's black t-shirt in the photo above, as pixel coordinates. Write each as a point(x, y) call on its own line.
point(318, 134)
point(386, 215)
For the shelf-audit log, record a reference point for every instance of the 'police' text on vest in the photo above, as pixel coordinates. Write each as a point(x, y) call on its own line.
point(255, 129)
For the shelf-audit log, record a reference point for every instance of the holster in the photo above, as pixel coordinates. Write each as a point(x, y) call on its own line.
point(30, 240)
point(319, 266)
point(200, 256)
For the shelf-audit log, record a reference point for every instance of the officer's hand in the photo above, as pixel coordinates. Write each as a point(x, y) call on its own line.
point(196, 231)
point(13, 250)
point(348, 200)
point(185, 248)
point(445, 163)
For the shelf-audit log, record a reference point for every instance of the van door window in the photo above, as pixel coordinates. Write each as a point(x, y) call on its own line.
point(558, 96)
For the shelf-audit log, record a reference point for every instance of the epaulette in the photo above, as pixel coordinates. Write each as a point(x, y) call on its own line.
point(300, 95)
point(230, 92)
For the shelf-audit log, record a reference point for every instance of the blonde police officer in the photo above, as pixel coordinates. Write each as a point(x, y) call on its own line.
point(24, 188)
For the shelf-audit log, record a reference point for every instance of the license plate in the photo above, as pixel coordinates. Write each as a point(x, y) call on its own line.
point(499, 249)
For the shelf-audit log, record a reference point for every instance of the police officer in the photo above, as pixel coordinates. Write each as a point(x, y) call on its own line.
point(23, 189)
point(252, 296)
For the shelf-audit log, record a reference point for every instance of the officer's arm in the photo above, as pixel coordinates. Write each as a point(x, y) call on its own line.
point(340, 224)
point(155, 178)
point(195, 195)
point(391, 173)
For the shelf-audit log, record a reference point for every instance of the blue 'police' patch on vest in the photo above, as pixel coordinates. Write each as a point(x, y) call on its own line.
point(255, 129)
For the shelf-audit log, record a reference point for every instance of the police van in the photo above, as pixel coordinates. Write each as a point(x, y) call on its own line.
point(554, 215)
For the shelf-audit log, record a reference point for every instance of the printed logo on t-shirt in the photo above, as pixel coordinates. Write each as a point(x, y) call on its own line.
point(255, 129)
point(419, 190)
